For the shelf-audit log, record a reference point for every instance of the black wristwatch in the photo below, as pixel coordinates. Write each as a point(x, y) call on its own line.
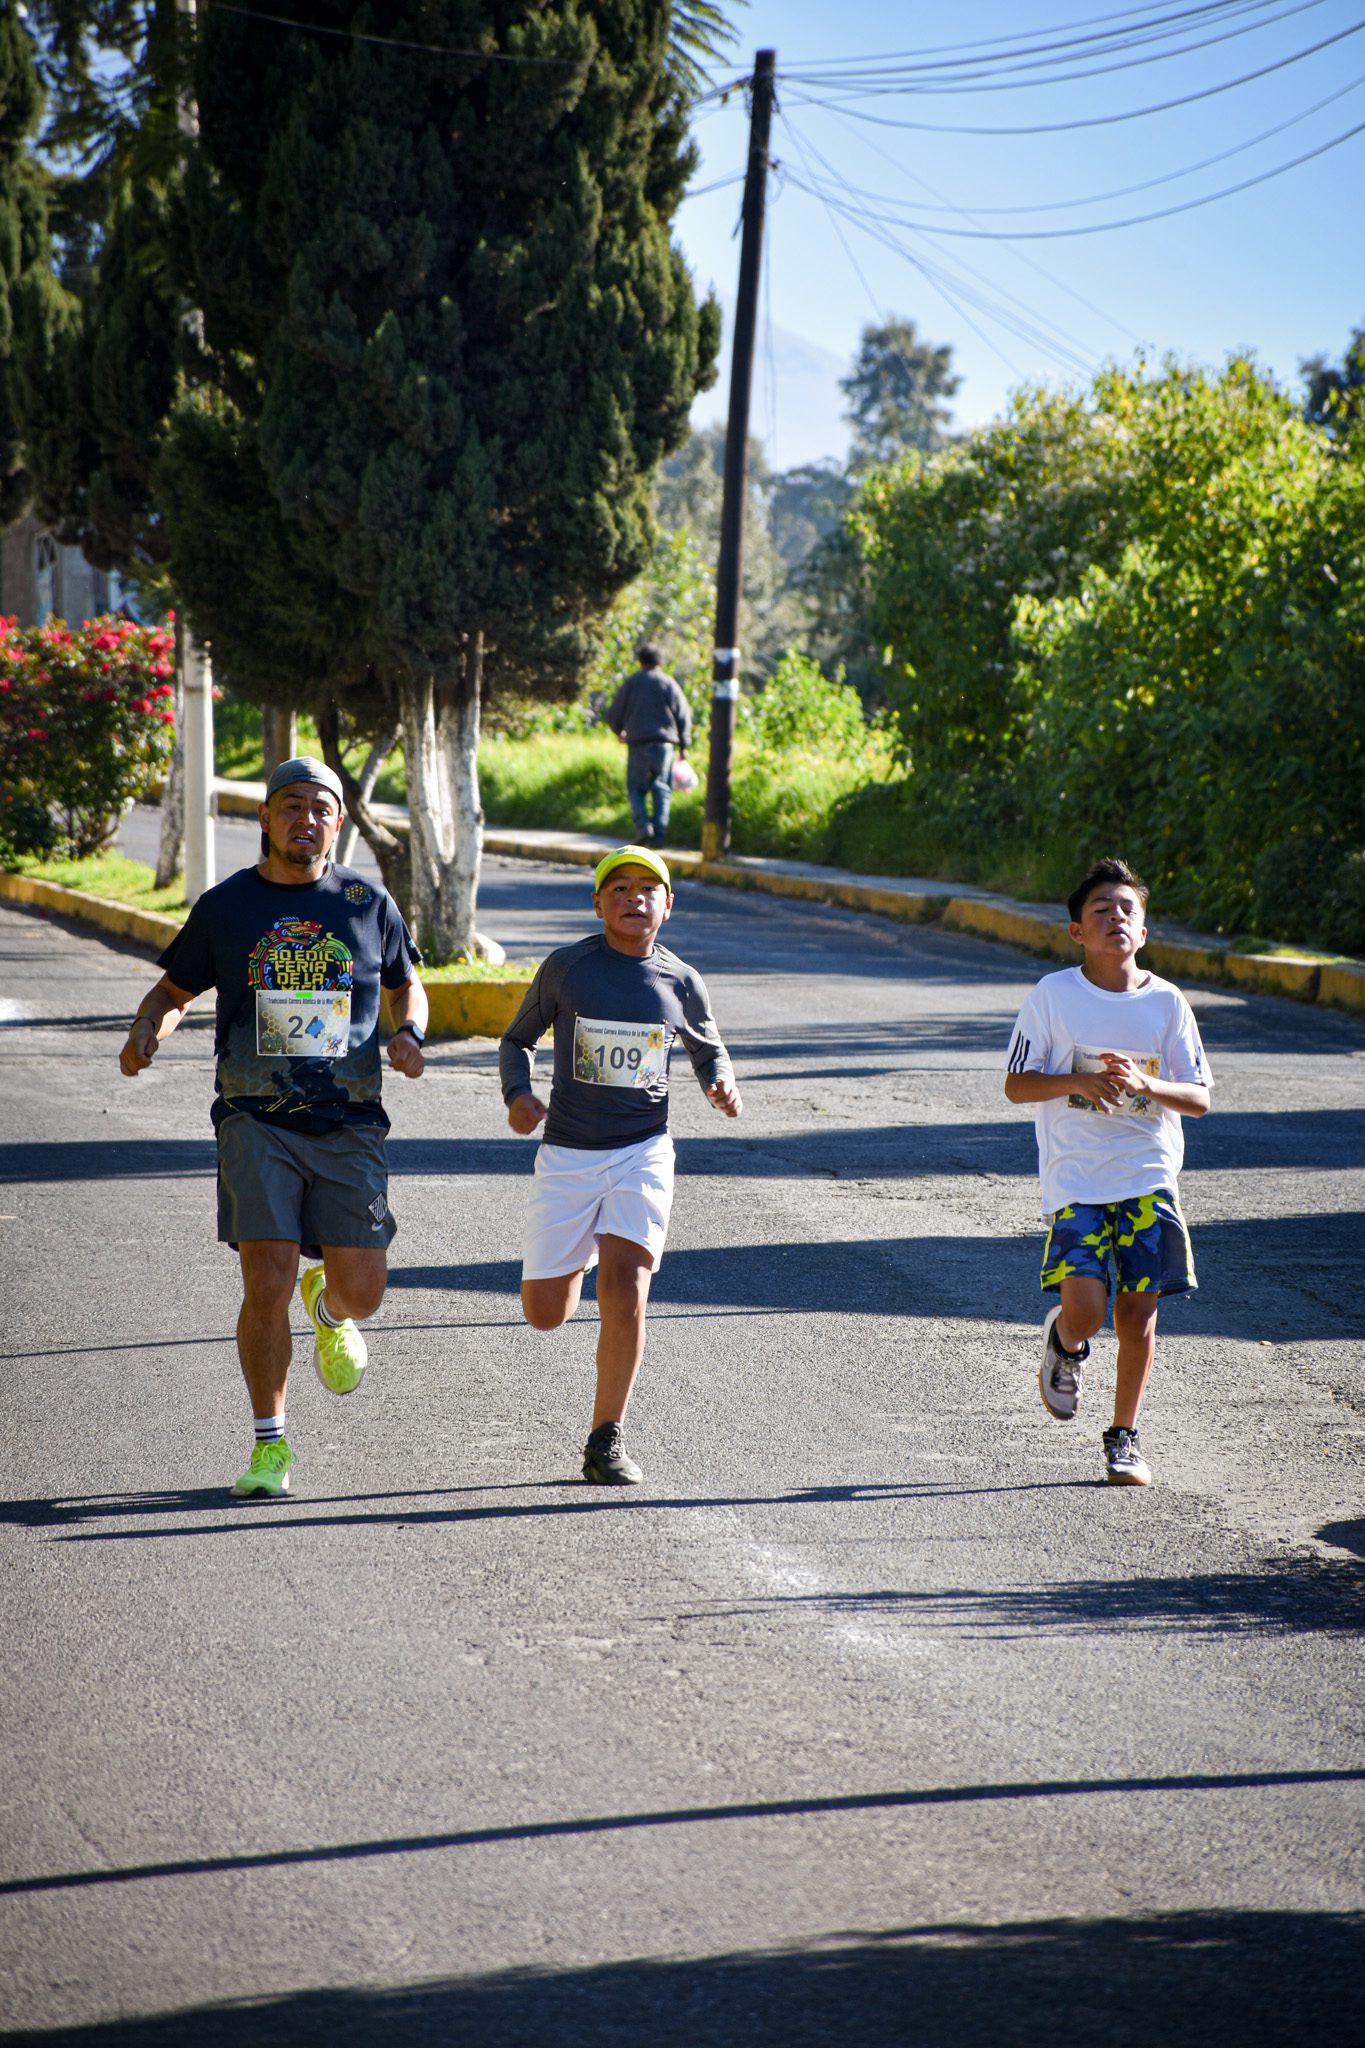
point(420, 1036)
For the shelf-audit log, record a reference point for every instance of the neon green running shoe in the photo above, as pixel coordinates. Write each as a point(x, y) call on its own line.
point(339, 1354)
point(268, 1471)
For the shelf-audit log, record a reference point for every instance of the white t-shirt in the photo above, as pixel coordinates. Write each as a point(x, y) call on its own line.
point(1083, 1155)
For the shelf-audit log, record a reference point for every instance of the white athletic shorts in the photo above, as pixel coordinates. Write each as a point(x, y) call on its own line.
point(579, 1197)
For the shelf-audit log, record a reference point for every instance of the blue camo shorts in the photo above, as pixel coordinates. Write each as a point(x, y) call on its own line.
point(1146, 1236)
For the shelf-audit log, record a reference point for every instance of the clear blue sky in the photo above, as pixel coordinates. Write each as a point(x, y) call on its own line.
point(1276, 269)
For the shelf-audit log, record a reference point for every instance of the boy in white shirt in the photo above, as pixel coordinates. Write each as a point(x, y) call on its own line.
point(1109, 1058)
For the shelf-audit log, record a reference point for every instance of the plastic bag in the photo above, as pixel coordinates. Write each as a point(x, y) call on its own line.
point(684, 776)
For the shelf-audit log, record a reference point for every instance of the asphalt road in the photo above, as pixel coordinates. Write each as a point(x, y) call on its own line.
point(874, 1716)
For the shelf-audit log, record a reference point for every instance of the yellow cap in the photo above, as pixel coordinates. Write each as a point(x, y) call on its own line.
point(631, 857)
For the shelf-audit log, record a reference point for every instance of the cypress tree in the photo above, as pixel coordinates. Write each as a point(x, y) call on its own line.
point(26, 295)
point(443, 312)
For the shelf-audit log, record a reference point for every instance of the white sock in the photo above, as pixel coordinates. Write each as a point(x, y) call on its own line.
point(269, 1428)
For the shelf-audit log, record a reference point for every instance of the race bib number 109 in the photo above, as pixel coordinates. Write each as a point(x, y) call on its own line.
point(612, 1055)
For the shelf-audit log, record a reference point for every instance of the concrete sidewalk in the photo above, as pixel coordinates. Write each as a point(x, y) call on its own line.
point(480, 1008)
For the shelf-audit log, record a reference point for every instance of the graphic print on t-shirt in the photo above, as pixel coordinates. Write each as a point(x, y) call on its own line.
point(612, 1055)
point(1085, 1060)
point(302, 977)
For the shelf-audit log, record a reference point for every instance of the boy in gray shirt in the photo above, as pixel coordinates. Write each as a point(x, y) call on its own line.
point(603, 1184)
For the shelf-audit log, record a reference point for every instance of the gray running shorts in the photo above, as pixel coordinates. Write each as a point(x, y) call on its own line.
point(309, 1191)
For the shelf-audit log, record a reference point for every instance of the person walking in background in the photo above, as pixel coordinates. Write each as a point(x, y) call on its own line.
point(651, 715)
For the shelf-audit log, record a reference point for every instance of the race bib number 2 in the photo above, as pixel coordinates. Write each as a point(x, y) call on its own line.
point(609, 1055)
point(296, 1025)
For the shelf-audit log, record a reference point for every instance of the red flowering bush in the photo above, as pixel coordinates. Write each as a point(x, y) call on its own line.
point(86, 720)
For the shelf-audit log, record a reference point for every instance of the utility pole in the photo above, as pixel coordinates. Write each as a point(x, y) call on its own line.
point(715, 831)
point(196, 695)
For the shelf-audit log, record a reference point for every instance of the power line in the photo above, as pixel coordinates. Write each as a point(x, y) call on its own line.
point(1001, 43)
point(1017, 319)
point(1091, 120)
point(1133, 220)
point(883, 84)
point(1146, 184)
point(1020, 255)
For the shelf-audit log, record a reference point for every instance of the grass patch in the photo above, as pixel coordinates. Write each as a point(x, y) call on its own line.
point(112, 875)
point(478, 970)
point(576, 782)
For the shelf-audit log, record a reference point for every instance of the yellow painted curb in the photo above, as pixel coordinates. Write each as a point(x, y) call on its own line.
point(1342, 982)
point(473, 1009)
point(236, 802)
point(910, 906)
point(1181, 961)
point(146, 927)
point(994, 919)
point(1275, 974)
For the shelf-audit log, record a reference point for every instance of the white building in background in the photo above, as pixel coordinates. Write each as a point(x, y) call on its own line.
point(41, 578)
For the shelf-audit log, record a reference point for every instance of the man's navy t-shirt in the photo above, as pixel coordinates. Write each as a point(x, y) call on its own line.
point(295, 964)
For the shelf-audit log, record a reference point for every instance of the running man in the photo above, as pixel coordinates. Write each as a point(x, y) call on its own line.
point(603, 1183)
point(298, 951)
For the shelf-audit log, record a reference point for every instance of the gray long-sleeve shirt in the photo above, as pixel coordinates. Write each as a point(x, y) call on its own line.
point(650, 706)
point(614, 1019)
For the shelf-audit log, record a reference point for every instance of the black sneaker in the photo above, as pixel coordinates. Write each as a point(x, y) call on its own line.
point(605, 1461)
point(1124, 1464)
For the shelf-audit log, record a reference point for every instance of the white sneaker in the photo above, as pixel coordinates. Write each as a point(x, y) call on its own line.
point(1059, 1376)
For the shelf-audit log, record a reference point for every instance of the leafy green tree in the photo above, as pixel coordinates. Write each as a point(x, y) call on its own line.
point(896, 391)
point(806, 505)
point(949, 544)
point(674, 604)
point(1335, 397)
point(1201, 698)
point(469, 340)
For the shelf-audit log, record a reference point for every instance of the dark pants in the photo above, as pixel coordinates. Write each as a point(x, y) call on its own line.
point(649, 772)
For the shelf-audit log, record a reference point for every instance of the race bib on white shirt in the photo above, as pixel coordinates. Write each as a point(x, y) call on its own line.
point(295, 1024)
point(610, 1055)
point(1085, 1060)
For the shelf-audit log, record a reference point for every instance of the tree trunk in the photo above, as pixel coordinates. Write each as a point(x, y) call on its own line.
point(364, 785)
point(441, 748)
point(170, 857)
point(389, 848)
point(279, 738)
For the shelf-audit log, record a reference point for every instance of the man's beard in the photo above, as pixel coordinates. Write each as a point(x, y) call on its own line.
point(299, 856)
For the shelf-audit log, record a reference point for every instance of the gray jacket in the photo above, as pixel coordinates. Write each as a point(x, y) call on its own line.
point(650, 706)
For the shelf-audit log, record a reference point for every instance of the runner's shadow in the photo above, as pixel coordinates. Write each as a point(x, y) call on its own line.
point(71, 1511)
point(566, 1495)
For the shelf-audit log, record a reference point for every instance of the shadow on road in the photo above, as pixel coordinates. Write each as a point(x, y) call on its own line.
point(1303, 1598)
point(1185, 1980)
point(899, 1799)
point(1316, 1140)
point(1305, 1292)
point(570, 1495)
